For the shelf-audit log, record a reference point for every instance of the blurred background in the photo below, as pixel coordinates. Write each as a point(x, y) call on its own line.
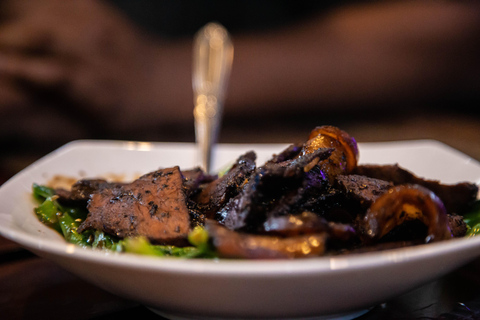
point(118, 69)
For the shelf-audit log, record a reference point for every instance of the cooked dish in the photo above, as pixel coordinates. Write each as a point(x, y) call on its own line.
point(311, 199)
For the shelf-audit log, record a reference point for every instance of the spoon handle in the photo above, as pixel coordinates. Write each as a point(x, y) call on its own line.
point(212, 61)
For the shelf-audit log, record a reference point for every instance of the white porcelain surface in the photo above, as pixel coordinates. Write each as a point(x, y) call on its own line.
point(236, 289)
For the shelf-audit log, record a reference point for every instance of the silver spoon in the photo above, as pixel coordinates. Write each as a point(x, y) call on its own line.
point(212, 62)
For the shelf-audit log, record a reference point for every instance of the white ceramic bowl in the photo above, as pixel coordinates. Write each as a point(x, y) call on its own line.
point(338, 287)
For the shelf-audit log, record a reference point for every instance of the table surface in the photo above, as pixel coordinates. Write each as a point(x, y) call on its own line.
point(35, 288)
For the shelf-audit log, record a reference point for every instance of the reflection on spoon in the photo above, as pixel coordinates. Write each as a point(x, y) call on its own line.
point(212, 61)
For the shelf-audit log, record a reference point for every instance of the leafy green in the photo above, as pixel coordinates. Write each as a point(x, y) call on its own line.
point(48, 212)
point(67, 219)
point(141, 245)
point(198, 238)
point(472, 219)
point(42, 192)
point(105, 241)
point(69, 228)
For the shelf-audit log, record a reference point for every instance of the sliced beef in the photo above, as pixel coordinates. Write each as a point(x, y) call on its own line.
point(329, 203)
point(216, 194)
point(81, 190)
point(233, 244)
point(457, 225)
point(193, 182)
point(295, 167)
point(194, 178)
point(364, 190)
point(153, 206)
point(456, 197)
point(235, 212)
point(274, 187)
point(289, 153)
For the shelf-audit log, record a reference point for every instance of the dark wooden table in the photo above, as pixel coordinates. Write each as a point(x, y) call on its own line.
point(35, 288)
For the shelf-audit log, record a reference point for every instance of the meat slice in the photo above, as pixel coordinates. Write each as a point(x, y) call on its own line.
point(456, 197)
point(82, 190)
point(194, 178)
point(216, 194)
point(153, 206)
point(457, 225)
point(289, 153)
point(362, 189)
point(273, 187)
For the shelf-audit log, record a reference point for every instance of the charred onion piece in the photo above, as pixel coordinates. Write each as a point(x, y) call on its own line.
point(307, 223)
point(345, 157)
point(406, 203)
point(233, 244)
point(457, 198)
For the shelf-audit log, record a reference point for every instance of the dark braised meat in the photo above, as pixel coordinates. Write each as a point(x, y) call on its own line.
point(274, 187)
point(153, 206)
point(82, 190)
point(215, 195)
point(289, 153)
point(457, 225)
point(364, 190)
point(194, 178)
point(456, 197)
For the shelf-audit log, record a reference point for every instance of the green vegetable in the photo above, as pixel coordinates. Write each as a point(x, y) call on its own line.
point(69, 228)
point(48, 212)
point(66, 220)
point(472, 219)
point(42, 192)
point(105, 241)
point(140, 245)
point(198, 237)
